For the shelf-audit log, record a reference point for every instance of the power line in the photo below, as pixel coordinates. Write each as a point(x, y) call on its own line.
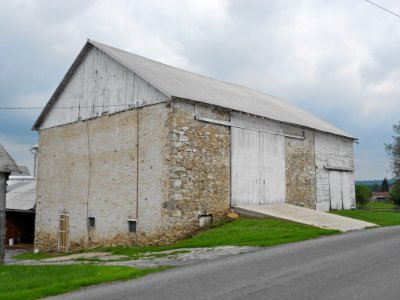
point(66, 107)
point(5, 108)
point(381, 7)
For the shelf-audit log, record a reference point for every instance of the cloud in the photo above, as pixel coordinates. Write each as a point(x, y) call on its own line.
point(337, 59)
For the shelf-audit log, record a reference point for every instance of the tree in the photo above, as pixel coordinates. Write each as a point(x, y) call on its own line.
point(385, 185)
point(394, 194)
point(393, 151)
point(375, 187)
point(363, 193)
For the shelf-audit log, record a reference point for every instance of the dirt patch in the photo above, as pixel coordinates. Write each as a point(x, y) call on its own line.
point(176, 257)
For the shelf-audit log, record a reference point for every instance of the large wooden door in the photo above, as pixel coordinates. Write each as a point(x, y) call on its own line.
point(258, 167)
point(339, 190)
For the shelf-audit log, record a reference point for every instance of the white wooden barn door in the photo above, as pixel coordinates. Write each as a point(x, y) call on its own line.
point(258, 167)
point(339, 190)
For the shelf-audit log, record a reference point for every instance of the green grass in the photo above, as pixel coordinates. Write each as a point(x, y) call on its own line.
point(255, 232)
point(241, 232)
point(379, 205)
point(37, 256)
point(33, 282)
point(382, 218)
point(380, 213)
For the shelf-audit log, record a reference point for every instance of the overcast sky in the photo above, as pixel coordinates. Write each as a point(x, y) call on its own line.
point(339, 60)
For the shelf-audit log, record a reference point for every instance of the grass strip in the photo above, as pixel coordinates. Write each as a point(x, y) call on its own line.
point(389, 218)
point(379, 205)
point(33, 282)
point(241, 232)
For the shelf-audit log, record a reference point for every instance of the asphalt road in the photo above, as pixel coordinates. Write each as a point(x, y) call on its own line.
point(356, 265)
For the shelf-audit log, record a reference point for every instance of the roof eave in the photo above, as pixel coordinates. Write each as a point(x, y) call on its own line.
point(348, 136)
point(9, 165)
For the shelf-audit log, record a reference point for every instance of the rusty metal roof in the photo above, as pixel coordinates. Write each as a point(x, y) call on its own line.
point(178, 83)
point(7, 164)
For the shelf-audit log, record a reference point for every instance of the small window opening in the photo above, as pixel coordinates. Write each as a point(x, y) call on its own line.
point(91, 222)
point(132, 226)
point(204, 220)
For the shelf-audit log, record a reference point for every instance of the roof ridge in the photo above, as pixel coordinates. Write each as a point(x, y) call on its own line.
point(8, 164)
point(175, 82)
point(183, 70)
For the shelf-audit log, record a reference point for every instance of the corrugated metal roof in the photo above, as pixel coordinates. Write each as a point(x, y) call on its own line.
point(179, 83)
point(23, 197)
point(23, 171)
point(7, 164)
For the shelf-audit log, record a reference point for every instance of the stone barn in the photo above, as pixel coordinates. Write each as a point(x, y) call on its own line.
point(133, 151)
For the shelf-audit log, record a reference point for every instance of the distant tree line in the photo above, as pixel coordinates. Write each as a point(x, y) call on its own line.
point(364, 192)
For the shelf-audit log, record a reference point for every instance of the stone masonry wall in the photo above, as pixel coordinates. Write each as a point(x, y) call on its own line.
point(300, 169)
point(87, 169)
point(198, 181)
point(153, 170)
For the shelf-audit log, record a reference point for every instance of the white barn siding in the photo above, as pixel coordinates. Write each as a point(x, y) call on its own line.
point(333, 152)
point(100, 85)
point(258, 161)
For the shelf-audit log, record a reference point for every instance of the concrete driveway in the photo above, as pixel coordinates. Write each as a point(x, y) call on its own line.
point(304, 216)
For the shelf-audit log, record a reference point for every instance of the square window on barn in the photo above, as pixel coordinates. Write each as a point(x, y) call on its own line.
point(132, 226)
point(91, 222)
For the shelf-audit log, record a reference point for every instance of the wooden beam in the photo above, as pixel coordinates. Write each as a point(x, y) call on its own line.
point(338, 168)
point(231, 124)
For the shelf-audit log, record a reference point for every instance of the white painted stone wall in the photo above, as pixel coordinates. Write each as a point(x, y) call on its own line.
point(87, 169)
point(153, 167)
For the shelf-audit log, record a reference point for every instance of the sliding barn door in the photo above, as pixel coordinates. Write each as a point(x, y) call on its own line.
point(258, 167)
point(339, 188)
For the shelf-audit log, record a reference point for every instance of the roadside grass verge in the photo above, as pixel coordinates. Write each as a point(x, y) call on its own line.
point(240, 232)
point(377, 205)
point(33, 282)
point(382, 218)
point(38, 256)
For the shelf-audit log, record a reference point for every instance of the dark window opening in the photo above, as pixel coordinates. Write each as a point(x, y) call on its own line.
point(91, 222)
point(132, 226)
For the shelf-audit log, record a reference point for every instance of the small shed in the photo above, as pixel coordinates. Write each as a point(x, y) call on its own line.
point(380, 196)
point(7, 165)
point(20, 212)
point(133, 151)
